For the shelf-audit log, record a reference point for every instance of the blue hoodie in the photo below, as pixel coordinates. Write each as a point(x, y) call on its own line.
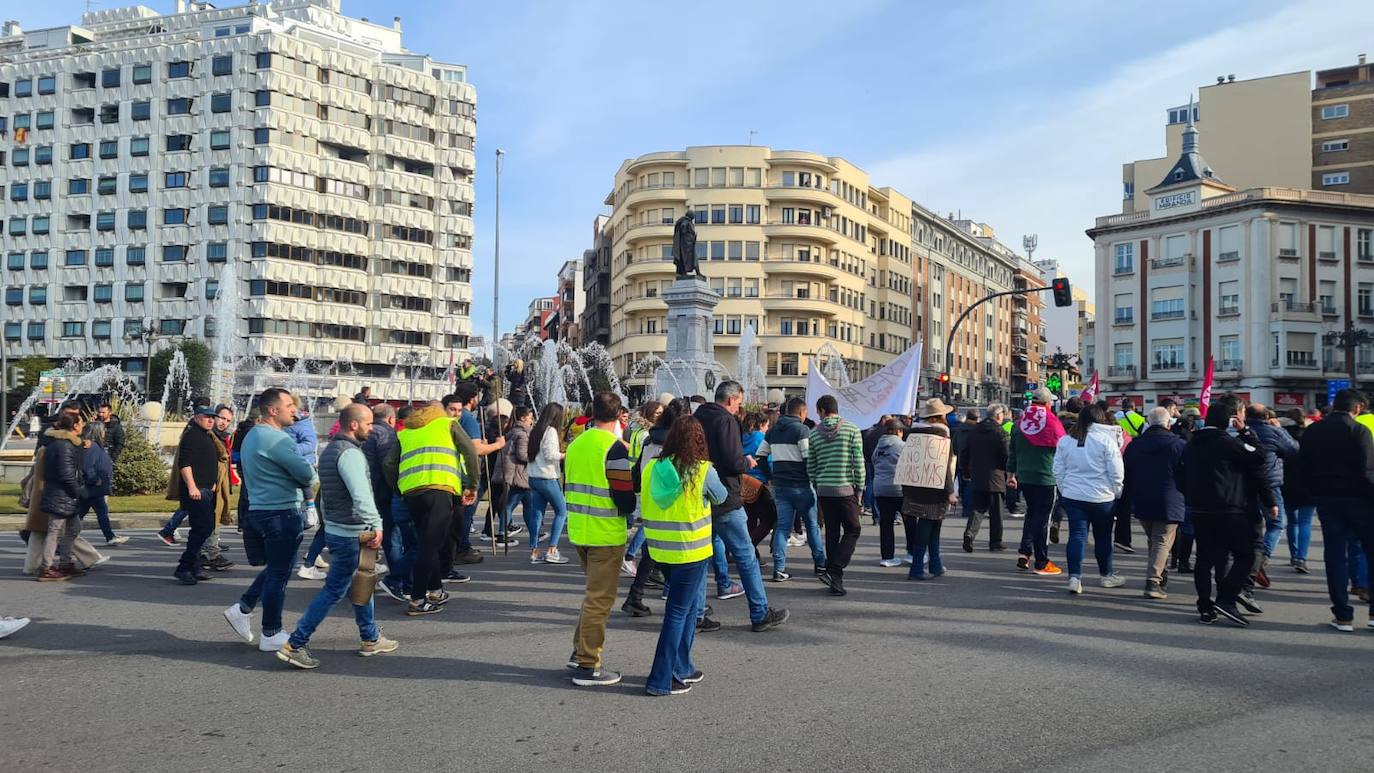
point(274, 472)
point(307, 441)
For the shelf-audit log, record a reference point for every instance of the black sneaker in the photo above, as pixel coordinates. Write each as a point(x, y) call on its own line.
point(594, 677)
point(185, 578)
point(771, 619)
point(968, 544)
point(394, 590)
point(217, 564)
point(469, 556)
point(636, 608)
point(572, 662)
point(514, 530)
point(425, 607)
point(201, 576)
point(456, 576)
point(820, 569)
point(1230, 612)
point(1207, 617)
point(678, 688)
point(1122, 547)
point(837, 588)
point(439, 597)
point(781, 576)
point(695, 678)
point(1247, 602)
point(707, 625)
point(654, 580)
point(1300, 566)
point(1054, 534)
point(1023, 563)
point(826, 579)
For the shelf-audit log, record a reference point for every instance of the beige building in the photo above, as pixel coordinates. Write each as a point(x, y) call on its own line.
point(798, 244)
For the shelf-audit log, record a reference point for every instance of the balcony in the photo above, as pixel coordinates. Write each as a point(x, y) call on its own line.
point(1329, 310)
point(1121, 371)
point(1229, 366)
point(1228, 310)
point(1161, 316)
point(1328, 256)
point(1295, 311)
point(1120, 270)
point(1288, 253)
point(1229, 256)
point(1018, 343)
point(1172, 262)
point(1123, 320)
point(1303, 360)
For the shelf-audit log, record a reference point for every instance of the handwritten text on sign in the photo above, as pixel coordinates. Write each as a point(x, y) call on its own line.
point(924, 461)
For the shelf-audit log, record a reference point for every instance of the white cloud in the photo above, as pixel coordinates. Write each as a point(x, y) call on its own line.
point(1055, 175)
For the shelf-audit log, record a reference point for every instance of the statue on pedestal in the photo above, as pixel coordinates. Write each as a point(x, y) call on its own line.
point(685, 247)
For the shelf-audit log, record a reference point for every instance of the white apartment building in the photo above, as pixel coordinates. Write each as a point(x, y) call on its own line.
point(142, 154)
point(1263, 281)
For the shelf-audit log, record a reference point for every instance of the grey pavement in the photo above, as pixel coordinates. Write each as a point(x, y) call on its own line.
point(985, 669)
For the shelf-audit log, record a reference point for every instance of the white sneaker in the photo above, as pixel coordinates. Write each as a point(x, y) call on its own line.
point(554, 557)
point(907, 559)
point(628, 568)
point(320, 563)
point(310, 573)
point(273, 643)
point(890, 562)
point(116, 540)
point(9, 625)
point(796, 541)
point(1076, 585)
point(1113, 581)
point(1343, 626)
point(1370, 625)
point(99, 562)
point(240, 621)
point(380, 570)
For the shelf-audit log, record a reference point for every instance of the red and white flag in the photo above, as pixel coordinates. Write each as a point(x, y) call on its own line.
point(1090, 392)
point(1040, 426)
point(1206, 398)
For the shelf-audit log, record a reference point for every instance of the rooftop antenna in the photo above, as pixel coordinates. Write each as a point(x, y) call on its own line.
point(752, 132)
point(1030, 242)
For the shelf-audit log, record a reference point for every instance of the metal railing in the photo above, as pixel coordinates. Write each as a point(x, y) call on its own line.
point(1121, 370)
point(1229, 365)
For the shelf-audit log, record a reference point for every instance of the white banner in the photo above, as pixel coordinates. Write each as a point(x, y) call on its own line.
point(891, 390)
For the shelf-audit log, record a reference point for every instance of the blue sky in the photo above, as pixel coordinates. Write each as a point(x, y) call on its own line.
point(1017, 114)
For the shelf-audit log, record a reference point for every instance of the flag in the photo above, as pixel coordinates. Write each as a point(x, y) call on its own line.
point(451, 375)
point(21, 135)
point(891, 391)
point(1090, 393)
point(1206, 398)
point(1040, 426)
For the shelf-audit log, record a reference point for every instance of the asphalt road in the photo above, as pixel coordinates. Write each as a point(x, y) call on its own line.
point(983, 670)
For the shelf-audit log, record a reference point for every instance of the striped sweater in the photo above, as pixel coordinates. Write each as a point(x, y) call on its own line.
point(835, 458)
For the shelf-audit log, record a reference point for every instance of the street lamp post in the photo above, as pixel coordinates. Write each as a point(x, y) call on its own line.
point(148, 333)
point(1349, 339)
point(496, 265)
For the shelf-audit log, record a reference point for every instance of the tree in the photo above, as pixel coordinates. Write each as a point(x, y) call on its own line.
point(139, 469)
point(199, 360)
point(30, 367)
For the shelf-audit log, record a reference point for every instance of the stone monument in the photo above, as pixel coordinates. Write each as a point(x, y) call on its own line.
point(690, 358)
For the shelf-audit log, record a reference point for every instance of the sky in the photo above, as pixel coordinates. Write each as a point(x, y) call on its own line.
point(1017, 114)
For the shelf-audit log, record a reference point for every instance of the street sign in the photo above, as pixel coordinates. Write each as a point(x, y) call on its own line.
point(1333, 386)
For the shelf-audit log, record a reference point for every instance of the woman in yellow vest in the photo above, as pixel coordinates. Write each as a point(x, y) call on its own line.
point(676, 494)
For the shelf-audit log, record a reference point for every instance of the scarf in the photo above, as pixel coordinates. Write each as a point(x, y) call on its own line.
point(1040, 426)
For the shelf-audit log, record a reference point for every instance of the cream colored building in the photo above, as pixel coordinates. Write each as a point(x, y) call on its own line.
point(798, 244)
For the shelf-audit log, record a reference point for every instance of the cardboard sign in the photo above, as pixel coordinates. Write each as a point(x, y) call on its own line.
point(924, 461)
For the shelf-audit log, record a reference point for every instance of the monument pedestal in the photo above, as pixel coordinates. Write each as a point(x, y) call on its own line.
point(690, 358)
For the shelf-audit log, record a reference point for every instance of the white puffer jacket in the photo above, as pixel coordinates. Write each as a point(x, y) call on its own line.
point(545, 464)
point(1091, 472)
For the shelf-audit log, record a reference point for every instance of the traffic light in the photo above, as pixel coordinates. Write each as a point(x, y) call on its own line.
point(1063, 295)
point(944, 379)
point(15, 377)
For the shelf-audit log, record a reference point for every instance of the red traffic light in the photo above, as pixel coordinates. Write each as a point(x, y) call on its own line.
point(1063, 295)
point(944, 378)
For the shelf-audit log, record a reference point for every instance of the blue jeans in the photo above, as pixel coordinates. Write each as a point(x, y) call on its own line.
point(1273, 529)
point(343, 562)
point(400, 568)
point(316, 546)
point(1035, 530)
point(732, 534)
point(1344, 519)
point(270, 537)
point(637, 541)
point(516, 496)
point(686, 599)
point(174, 521)
point(1300, 530)
point(966, 497)
point(1098, 515)
point(869, 502)
point(925, 541)
point(791, 501)
point(102, 514)
point(1359, 566)
point(545, 492)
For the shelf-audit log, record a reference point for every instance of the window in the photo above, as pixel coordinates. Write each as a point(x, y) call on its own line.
point(109, 148)
point(12, 330)
point(138, 183)
point(751, 250)
point(1125, 258)
point(36, 331)
point(19, 191)
point(179, 106)
point(42, 189)
point(74, 293)
point(217, 215)
point(173, 253)
point(135, 256)
point(104, 221)
point(14, 296)
point(110, 78)
point(736, 213)
point(138, 146)
point(262, 136)
point(18, 226)
point(1365, 299)
point(38, 260)
point(43, 119)
point(219, 177)
point(1288, 291)
point(76, 258)
point(263, 60)
point(178, 69)
point(38, 295)
point(1228, 243)
point(105, 186)
point(141, 110)
point(171, 327)
point(20, 157)
point(15, 261)
point(1326, 295)
point(47, 84)
point(175, 180)
point(222, 65)
point(40, 225)
point(1230, 353)
point(219, 139)
point(1336, 178)
point(1127, 190)
point(23, 87)
point(42, 155)
point(1335, 146)
point(143, 73)
point(262, 98)
point(1167, 303)
point(216, 252)
point(1326, 242)
point(103, 293)
point(109, 113)
point(751, 214)
point(79, 150)
point(717, 215)
point(1288, 240)
point(1124, 312)
point(1335, 111)
point(1364, 243)
point(178, 142)
point(221, 102)
point(100, 329)
point(133, 292)
point(1123, 355)
point(174, 216)
point(1168, 355)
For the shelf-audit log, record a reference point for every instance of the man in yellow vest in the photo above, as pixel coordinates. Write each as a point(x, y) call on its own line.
point(432, 462)
point(600, 494)
point(675, 492)
point(1131, 422)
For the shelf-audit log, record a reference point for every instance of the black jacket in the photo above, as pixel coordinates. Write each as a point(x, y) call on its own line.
point(1337, 458)
point(1149, 461)
point(1295, 492)
point(114, 438)
point(727, 452)
point(871, 437)
point(379, 442)
point(984, 457)
point(63, 483)
point(1220, 474)
point(1277, 447)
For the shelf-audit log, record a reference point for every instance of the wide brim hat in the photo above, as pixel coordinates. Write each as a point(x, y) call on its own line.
point(934, 407)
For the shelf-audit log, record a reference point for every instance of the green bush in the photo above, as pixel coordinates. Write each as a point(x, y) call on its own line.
point(139, 469)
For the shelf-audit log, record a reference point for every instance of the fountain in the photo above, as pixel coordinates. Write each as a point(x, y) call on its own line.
point(747, 369)
point(104, 380)
point(832, 365)
point(178, 384)
point(228, 345)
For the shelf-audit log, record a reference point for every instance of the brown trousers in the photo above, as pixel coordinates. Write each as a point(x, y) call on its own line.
point(1160, 536)
point(602, 565)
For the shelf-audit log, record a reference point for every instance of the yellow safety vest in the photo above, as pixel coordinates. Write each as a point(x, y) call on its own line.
point(593, 519)
point(1132, 422)
point(429, 458)
point(637, 437)
point(681, 533)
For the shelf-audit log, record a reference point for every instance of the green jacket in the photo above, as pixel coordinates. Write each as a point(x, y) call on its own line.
point(835, 458)
point(1029, 463)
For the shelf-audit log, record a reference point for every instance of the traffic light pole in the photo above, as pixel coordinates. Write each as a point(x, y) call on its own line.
point(949, 340)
